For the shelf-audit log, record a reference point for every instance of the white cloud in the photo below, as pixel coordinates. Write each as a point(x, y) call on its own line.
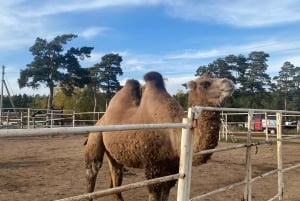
point(195, 54)
point(276, 64)
point(21, 22)
point(53, 7)
point(174, 84)
point(92, 32)
point(269, 46)
point(18, 31)
point(246, 13)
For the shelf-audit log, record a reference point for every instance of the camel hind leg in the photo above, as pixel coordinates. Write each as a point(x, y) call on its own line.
point(94, 152)
point(116, 173)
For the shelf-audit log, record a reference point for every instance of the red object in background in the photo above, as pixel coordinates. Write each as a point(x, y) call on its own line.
point(257, 124)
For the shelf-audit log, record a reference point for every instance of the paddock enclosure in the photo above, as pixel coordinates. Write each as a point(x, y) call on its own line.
point(52, 168)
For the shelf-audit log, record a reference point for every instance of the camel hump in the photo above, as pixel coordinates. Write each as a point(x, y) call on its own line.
point(155, 78)
point(134, 87)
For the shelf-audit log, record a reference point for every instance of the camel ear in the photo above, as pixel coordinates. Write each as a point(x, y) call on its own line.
point(192, 85)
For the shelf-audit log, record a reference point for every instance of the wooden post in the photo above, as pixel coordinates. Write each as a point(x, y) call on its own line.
point(186, 158)
point(279, 154)
point(248, 187)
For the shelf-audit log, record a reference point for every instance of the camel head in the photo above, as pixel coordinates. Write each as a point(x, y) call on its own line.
point(209, 91)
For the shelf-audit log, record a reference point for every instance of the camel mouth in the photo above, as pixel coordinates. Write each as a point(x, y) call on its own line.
point(229, 91)
point(225, 94)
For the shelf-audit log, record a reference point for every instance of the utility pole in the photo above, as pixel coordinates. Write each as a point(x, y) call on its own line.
point(1, 101)
point(3, 83)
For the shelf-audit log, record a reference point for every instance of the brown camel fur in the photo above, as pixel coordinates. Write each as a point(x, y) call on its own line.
point(156, 150)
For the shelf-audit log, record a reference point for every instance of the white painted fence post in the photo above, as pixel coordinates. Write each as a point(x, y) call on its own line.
point(248, 188)
point(51, 119)
point(73, 118)
point(226, 126)
point(28, 118)
point(279, 154)
point(186, 158)
point(267, 126)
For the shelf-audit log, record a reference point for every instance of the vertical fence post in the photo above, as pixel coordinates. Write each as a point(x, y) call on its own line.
point(21, 119)
point(186, 158)
point(28, 118)
point(248, 187)
point(226, 126)
point(223, 128)
point(51, 119)
point(267, 126)
point(279, 154)
point(73, 118)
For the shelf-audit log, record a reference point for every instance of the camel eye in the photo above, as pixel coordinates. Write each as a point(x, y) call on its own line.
point(205, 84)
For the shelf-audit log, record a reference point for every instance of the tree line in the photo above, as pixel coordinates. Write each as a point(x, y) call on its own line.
point(254, 87)
point(72, 86)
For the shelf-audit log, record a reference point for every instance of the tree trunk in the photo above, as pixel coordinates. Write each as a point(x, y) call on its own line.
point(50, 98)
point(95, 102)
point(49, 106)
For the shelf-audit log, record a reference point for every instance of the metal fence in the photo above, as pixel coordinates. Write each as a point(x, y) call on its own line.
point(184, 174)
point(11, 118)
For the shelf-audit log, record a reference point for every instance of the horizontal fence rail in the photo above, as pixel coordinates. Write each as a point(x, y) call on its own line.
point(123, 188)
point(84, 129)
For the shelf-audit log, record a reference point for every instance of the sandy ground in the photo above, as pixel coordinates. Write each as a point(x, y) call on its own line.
point(50, 168)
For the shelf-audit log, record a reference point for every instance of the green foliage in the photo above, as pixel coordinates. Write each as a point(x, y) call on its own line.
point(104, 75)
point(52, 65)
point(182, 99)
point(80, 101)
point(39, 102)
point(20, 101)
point(287, 85)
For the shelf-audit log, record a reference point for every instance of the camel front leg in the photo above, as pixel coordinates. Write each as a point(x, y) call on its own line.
point(91, 175)
point(154, 196)
point(160, 192)
point(165, 191)
point(116, 174)
point(94, 152)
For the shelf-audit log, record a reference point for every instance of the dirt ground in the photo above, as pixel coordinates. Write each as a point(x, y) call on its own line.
point(50, 168)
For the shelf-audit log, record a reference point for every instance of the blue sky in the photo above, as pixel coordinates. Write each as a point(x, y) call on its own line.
point(169, 36)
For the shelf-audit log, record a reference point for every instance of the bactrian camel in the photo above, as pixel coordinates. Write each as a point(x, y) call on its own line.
point(158, 150)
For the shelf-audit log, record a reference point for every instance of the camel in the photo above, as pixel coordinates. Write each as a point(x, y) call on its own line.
point(157, 151)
